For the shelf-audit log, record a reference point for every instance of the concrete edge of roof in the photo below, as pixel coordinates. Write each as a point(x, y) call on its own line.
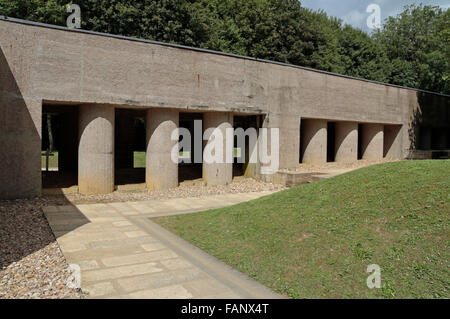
point(179, 46)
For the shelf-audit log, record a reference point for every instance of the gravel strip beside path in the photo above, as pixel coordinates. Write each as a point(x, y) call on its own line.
point(31, 263)
point(244, 185)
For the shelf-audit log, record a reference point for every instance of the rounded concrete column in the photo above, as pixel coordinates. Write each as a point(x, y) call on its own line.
point(314, 141)
point(161, 172)
point(218, 173)
point(346, 142)
point(372, 141)
point(96, 149)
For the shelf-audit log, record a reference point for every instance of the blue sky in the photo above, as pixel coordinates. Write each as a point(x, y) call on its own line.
point(354, 11)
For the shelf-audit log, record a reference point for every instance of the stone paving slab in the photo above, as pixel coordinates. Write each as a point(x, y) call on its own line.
point(123, 254)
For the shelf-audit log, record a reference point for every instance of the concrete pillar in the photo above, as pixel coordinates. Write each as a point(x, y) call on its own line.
point(218, 173)
point(96, 149)
point(346, 142)
point(289, 138)
point(392, 142)
point(372, 141)
point(161, 172)
point(314, 141)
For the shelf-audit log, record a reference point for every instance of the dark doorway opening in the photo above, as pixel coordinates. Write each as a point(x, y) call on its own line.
point(360, 133)
point(59, 148)
point(188, 170)
point(129, 146)
point(439, 138)
point(331, 141)
point(301, 146)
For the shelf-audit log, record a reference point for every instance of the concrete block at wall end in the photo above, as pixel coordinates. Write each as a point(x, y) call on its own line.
point(392, 142)
point(346, 142)
point(372, 141)
point(20, 145)
point(218, 173)
point(96, 149)
point(161, 172)
point(314, 141)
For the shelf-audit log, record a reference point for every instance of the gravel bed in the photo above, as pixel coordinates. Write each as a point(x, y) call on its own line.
point(244, 185)
point(31, 263)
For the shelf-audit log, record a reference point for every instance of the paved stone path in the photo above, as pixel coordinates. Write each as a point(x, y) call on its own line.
point(123, 254)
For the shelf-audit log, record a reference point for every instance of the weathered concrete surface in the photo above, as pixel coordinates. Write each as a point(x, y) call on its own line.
point(346, 142)
point(59, 66)
point(372, 141)
point(96, 149)
point(122, 254)
point(314, 141)
point(220, 172)
point(289, 137)
point(20, 126)
point(161, 172)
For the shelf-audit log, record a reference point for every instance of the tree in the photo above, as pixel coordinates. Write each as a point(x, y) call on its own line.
point(362, 56)
point(417, 43)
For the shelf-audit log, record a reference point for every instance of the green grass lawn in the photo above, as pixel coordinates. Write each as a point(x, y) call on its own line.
point(139, 159)
point(52, 160)
point(316, 240)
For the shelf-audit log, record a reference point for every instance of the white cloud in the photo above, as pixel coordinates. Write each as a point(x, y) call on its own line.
point(355, 18)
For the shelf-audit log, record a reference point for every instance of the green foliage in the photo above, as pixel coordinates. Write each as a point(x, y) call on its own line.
point(411, 50)
point(363, 57)
point(417, 42)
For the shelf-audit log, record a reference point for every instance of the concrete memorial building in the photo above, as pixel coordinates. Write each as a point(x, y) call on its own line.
point(98, 86)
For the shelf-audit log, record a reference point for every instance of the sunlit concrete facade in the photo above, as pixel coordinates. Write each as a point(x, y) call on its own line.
point(42, 65)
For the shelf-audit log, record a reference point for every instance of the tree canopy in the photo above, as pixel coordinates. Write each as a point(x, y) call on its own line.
point(411, 49)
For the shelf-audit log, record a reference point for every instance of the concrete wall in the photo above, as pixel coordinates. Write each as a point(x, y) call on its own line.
point(45, 64)
point(20, 126)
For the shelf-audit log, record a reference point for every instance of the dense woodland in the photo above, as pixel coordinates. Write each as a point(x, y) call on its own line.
point(412, 49)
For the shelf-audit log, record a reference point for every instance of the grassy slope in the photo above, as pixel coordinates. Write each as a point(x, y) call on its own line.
point(317, 240)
